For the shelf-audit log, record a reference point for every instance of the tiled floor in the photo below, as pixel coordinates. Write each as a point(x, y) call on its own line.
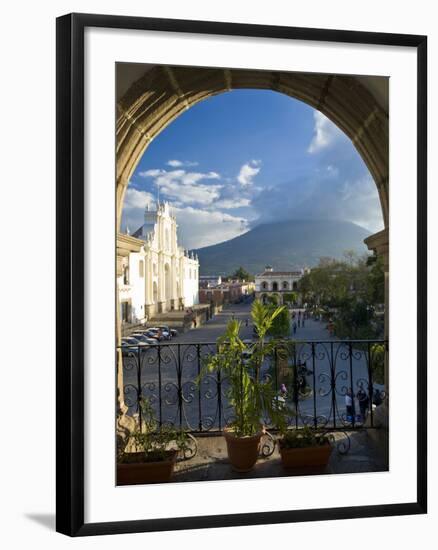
point(211, 462)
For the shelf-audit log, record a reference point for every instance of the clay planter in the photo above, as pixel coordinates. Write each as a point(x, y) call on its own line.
point(137, 472)
point(300, 457)
point(242, 451)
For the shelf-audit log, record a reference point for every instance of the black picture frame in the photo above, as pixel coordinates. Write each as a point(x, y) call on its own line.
point(70, 273)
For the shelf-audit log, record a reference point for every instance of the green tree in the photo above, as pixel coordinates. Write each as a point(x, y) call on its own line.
point(242, 275)
point(351, 289)
point(376, 281)
point(290, 297)
point(281, 324)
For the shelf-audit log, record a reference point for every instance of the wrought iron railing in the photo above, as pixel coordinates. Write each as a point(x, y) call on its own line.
point(327, 385)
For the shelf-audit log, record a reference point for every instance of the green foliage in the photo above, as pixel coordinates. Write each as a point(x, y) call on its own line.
point(302, 437)
point(153, 440)
point(353, 320)
point(290, 297)
point(378, 362)
point(281, 325)
point(351, 290)
point(272, 299)
point(242, 275)
point(376, 281)
point(250, 397)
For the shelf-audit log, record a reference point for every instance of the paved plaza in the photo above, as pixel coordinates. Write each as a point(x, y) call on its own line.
point(169, 375)
point(215, 327)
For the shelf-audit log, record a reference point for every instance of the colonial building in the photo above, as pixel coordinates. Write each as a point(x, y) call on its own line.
point(278, 284)
point(231, 292)
point(209, 281)
point(155, 275)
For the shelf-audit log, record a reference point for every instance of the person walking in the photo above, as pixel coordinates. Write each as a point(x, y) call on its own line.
point(349, 405)
point(294, 327)
point(377, 398)
point(364, 403)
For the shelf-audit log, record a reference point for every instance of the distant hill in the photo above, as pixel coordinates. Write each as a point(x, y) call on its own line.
point(284, 245)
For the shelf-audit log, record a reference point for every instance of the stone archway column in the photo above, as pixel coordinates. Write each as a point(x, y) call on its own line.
point(124, 423)
point(379, 242)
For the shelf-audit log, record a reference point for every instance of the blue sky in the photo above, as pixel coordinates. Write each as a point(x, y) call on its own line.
point(249, 157)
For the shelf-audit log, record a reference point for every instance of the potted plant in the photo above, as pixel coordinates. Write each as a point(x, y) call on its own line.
point(150, 452)
point(251, 395)
point(302, 447)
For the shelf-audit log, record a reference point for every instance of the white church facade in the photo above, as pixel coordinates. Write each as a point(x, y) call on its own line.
point(155, 274)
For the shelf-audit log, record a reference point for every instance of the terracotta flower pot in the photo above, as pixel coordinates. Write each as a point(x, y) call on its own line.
point(242, 451)
point(305, 456)
point(137, 472)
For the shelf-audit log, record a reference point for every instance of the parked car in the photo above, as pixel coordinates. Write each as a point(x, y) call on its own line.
point(173, 332)
point(166, 332)
point(128, 344)
point(155, 332)
point(143, 338)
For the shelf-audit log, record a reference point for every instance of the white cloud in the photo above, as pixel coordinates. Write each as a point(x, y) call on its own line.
point(351, 198)
point(332, 171)
point(153, 173)
point(198, 228)
point(137, 199)
point(133, 208)
point(248, 171)
point(179, 163)
point(361, 200)
point(229, 204)
point(185, 187)
point(189, 193)
point(324, 133)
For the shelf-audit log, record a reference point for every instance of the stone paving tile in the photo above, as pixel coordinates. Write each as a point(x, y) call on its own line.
point(211, 462)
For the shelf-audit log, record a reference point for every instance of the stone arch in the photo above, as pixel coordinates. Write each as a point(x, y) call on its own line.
point(264, 285)
point(275, 286)
point(275, 298)
point(152, 101)
point(285, 285)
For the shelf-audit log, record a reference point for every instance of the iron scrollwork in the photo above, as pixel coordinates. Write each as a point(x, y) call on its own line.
point(316, 381)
